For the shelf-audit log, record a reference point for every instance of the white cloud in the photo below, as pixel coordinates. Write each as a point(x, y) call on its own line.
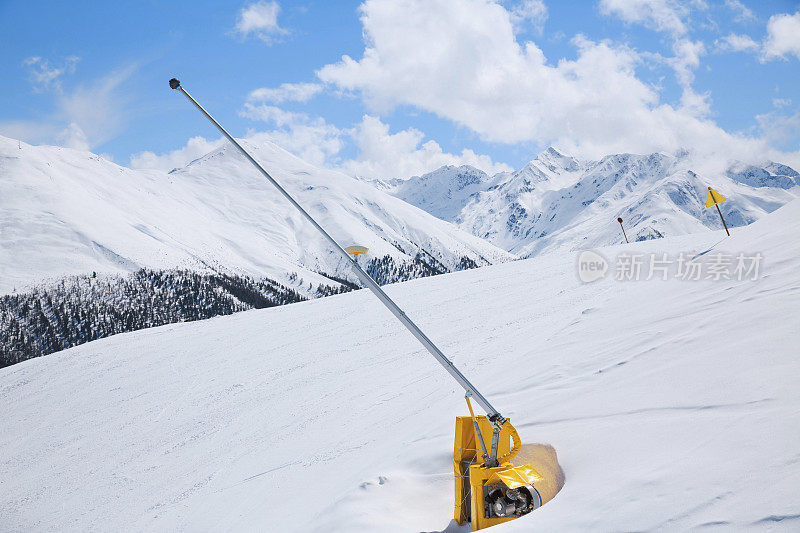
point(783, 37)
point(382, 154)
point(287, 92)
point(260, 19)
point(778, 128)
point(684, 63)
point(660, 15)
point(28, 131)
point(85, 117)
point(737, 43)
point(695, 104)
point(474, 72)
point(686, 59)
point(669, 16)
point(379, 153)
point(48, 131)
point(268, 113)
point(742, 12)
point(311, 139)
point(532, 12)
point(47, 77)
point(95, 112)
point(73, 136)
point(196, 147)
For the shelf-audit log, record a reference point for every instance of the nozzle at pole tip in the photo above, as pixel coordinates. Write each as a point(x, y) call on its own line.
point(174, 83)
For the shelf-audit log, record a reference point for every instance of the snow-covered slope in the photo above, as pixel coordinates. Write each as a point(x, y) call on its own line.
point(443, 192)
point(672, 405)
point(64, 211)
point(557, 201)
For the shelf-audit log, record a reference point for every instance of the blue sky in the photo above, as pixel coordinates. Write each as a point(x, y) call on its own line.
point(442, 82)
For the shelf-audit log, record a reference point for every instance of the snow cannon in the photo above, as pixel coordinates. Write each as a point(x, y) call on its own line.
point(489, 489)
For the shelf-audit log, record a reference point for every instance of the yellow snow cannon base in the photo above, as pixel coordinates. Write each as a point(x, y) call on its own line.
point(487, 496)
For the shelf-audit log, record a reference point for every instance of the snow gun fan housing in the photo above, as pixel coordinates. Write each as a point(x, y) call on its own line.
point(490, 491)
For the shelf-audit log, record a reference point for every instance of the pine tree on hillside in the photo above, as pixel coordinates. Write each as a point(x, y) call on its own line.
point(80, 309)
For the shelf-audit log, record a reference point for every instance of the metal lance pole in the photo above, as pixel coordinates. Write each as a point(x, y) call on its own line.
point(448, 365)
point(716, 204)
point(619, 219)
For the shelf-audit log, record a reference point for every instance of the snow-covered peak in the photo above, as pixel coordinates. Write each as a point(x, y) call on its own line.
point(556, 162)
point(443, 192)
point(770, 175)
point(549, 170)
point(456, 177)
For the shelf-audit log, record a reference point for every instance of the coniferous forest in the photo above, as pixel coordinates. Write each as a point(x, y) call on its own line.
point(80, 309)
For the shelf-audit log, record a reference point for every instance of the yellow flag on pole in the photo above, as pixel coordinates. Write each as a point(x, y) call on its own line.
point(713, 197)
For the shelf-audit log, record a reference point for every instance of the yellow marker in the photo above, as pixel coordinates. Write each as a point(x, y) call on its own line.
point(355, 251)
point(714, 198)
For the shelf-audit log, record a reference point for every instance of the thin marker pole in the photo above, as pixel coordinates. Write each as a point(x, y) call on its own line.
point(711, 192)
point(619, 219)
point(371, 284)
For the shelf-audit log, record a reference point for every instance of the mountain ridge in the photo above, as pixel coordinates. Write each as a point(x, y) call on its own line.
point(557, 201)
point(68, 212)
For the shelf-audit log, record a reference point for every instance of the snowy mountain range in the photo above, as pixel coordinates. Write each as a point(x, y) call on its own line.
point(68, 212)
point(558, 201)
point(215, 238)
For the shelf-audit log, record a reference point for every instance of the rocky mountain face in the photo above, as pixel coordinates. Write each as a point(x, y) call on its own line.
point(558, 201)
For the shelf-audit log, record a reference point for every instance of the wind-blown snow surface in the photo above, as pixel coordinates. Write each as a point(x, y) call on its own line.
point(559, 202)
point(66, 211)
point(671, 404)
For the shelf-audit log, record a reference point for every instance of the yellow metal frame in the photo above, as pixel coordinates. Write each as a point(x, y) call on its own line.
point(478, 476)
point(471, 473)
point(466, 454)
